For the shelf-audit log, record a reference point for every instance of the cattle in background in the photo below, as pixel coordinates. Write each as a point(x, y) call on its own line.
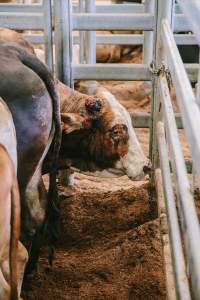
point(28, 88)
point(13, 255)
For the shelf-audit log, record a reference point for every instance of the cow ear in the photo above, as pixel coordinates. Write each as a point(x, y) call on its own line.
point(71, 122)
point(66, 118)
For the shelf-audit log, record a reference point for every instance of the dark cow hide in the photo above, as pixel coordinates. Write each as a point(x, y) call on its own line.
point(28, 88)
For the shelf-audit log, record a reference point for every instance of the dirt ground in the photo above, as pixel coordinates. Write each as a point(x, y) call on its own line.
point(110, 245)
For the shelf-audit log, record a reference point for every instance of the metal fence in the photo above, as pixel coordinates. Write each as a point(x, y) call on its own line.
point(35, 17)
point(86, 18)
point(161, 21)
point(184, 230)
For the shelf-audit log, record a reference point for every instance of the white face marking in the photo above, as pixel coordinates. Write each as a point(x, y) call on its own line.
point(134, 161)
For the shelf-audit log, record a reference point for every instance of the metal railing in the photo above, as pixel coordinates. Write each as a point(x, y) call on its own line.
point(31, 17)
point(184, 236)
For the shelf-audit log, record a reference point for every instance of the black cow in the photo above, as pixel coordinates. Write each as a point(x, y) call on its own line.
point(28, 88)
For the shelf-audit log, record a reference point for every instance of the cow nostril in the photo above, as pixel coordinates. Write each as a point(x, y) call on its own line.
point(146, 169)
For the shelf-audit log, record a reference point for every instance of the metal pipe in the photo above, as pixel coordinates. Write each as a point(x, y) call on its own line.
point(90, 36)
point(185, 96)
point(148, 36)
point(163, 9)
point(111, 72)
point(189, 219)
point(48, 38)
point(81, 35)
point(166, 242)
point(182, 286)
point(92, 21)
point(63, 40)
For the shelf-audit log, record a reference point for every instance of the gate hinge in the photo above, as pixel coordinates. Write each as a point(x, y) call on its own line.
point(161, 70)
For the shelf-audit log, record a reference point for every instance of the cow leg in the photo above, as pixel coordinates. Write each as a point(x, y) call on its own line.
point(34, 254)
point(22, 259)
point(47, 232)
point(36, 199)
point(4, 287)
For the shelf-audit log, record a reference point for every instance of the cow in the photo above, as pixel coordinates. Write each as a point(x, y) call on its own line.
point(8, 35)
point(135, 164)
point(13, 255)
point(104, 142)
point(28, 88)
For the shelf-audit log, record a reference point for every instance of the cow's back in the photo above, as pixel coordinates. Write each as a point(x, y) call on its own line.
point(31, 106)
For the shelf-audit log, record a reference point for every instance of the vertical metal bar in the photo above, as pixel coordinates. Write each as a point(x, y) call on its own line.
point(48, 39)
point(148, 36)
point(63, 40)
point(195, 177)
point(164, 9)
point(58, 40)
point(81, 34)
point(166, 241)
point(182, 286)
point(90, 36)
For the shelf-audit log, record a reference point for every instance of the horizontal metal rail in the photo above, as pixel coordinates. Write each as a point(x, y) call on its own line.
point(143, 120)
point(111, 72)
point(185, 96)
point(20, 8)
point(182, 285)
point(22, 21)
point(119, 39)
point(121, 72)
point(90, 21)
point(93, 21)
point(120, 8)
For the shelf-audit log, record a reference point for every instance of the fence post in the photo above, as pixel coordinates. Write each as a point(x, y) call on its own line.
point(48, 39)
point(63, 40)
point(90, 36)
point(148, 36)
point(195, 177)
point(81, 35)
point(163, 9)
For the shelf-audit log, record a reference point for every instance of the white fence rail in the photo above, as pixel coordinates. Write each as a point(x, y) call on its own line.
point(178, 193)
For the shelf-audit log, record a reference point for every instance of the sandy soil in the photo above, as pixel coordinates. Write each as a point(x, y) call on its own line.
point(109, 248)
